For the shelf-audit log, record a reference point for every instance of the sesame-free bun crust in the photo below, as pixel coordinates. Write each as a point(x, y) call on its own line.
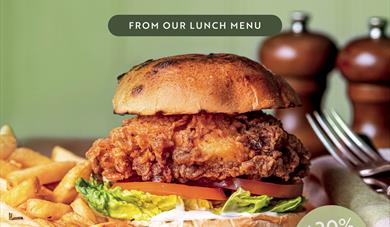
point(188, 84)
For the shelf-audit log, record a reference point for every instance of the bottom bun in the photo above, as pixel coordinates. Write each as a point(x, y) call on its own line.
point(259, 220)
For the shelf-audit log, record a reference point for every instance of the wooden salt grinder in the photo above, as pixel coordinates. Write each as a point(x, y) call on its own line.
point(365, 63)
point(304, 59)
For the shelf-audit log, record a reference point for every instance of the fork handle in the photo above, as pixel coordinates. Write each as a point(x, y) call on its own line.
point(376, 170)
point(382, 187)
point(384, 191)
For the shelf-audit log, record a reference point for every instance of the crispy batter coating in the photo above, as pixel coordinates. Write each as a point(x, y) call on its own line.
point(205, 146)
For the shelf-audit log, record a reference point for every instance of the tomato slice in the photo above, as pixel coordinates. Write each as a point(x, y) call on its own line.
point(262, 188)
point(185, 191)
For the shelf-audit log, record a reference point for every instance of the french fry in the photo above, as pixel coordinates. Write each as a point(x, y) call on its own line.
point(62, 223)
point(111, 224)
point(39, 208)
point(26, 190)
point(46, 194)
point(7, 223)
point(12, 217)
point(44, 223)
point(60, 154)
point(28, 157)
point(7, 142)
point(17, 164)
point(6, 168)
point(3, 184)
point(99, 217)
point(22, 207)
point(65, 191)
point(3, 187)
point(46, 173)
point(76, 219)
point(81, 208)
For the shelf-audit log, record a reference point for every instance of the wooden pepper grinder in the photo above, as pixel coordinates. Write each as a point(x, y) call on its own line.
point(304, 59)
point(365, 63)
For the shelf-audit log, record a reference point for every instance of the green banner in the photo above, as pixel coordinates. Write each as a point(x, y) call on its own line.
point(194, 25)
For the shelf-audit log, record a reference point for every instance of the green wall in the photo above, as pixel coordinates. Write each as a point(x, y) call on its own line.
point(59, 62)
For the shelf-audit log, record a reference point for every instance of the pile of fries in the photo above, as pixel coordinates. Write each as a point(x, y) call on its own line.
point(39, 191)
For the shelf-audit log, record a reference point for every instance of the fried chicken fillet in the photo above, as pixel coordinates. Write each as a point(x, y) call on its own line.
point(204, 146)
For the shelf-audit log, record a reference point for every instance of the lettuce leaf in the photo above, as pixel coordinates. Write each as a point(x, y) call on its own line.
point(197, 204)
point(287, 205)
point(124, 204)
point(242, 201)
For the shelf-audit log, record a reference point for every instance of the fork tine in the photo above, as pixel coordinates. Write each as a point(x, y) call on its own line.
point(356, 139)
point(327, 129)
point(326, 141)
point(352, 147)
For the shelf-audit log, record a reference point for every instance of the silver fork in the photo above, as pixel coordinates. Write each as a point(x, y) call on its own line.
point(349, 149)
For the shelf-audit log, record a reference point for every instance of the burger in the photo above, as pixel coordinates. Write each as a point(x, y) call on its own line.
point(197, 148)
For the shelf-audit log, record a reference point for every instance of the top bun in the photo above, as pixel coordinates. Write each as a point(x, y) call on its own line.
point(188, 84)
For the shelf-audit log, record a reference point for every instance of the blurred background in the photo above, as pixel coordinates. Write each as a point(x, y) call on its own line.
point(59, 63)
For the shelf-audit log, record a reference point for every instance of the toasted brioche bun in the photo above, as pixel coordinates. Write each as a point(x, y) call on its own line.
point(259, 220)
point(188, 84)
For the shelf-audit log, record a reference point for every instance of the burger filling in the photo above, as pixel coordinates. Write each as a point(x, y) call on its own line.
point(216, 163)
